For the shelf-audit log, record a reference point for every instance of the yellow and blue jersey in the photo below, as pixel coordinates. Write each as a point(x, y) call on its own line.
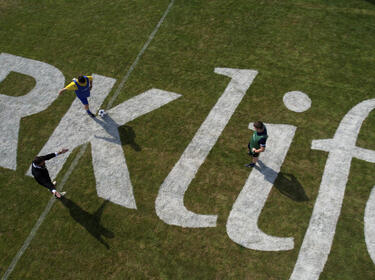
point(73, 86)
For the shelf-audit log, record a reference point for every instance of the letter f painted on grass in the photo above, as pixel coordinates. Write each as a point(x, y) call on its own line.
point(342, 148)
point(77, 128)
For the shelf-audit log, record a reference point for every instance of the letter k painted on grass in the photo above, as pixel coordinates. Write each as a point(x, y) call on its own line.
point(77, 128)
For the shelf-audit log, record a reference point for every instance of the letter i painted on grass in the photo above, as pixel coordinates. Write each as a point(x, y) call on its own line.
point(169, 203)
point(242, 224)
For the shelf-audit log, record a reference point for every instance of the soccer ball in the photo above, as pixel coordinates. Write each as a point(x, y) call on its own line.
point(102, 113)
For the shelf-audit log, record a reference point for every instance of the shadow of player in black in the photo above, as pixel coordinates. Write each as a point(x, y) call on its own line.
point(91, 222)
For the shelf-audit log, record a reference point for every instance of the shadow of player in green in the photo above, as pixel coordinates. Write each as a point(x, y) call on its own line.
point(288, 185)
point(128, 136)
point(91, 222)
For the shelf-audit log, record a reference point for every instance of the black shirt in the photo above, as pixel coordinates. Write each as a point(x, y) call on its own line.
point(41, 174)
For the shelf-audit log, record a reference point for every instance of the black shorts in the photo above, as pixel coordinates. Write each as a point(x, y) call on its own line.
point(253, 154)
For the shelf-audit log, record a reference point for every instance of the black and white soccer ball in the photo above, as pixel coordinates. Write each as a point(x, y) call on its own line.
point(102, 113)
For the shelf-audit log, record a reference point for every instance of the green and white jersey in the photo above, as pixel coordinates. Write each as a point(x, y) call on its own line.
point(258, 140)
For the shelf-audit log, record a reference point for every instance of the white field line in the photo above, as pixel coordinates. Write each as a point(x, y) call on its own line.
point(44, 213)
point(134, 64)
point(82, 150)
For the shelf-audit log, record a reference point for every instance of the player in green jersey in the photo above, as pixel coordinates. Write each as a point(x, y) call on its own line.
point(257, 142)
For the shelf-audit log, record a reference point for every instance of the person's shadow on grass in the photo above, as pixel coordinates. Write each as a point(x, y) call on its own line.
point(288, 185)
point(122, 135)
point(91, 222)
point(127, 136)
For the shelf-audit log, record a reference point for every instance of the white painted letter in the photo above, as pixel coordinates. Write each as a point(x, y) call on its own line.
point(12, 109)
point(76, 128)
point(370, 225)
point(242, 224)
point(169, 203)
point(341, 149)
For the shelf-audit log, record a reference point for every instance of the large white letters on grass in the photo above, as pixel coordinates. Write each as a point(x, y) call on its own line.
point(321, 230)
point(76, 128)
point(170, 200)
point(242, 224)
point(370, 225)
point(12, 109)
point(113, 179)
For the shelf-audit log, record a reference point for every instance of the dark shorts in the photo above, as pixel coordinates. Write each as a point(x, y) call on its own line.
point(253, 154)
point(83, 98)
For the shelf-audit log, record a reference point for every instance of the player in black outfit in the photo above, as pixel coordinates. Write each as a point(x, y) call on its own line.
point(41, 174)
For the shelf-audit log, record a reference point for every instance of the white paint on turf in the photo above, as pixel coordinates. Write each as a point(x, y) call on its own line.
point(32, 233)
point(134, 64)
point(242, 224)
point(13, 109)
point(341, 149)
point(77, 128)
point(169, 204)
point(110, 168)
point(297, 101)
point(369, 220)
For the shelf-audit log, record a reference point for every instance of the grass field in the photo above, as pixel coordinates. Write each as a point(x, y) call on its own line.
point(325, 49)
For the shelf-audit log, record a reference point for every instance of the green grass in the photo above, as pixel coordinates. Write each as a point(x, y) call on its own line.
point(325, 49)
point(16, 84)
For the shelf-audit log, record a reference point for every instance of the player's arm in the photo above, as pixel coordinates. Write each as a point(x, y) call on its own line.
point(71, 86)
point(62, 90)
point(262, 143)
point(62, 151)
point(260, 150)
point(52, 155)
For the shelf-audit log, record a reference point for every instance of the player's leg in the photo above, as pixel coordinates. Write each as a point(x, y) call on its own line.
point(255, 158)
point(55, 192)
point(88, 111)
point(86, 106)
point(51, 186)
point(85, 103)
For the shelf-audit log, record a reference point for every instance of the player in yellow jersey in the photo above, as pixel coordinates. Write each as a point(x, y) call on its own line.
point(82, 87)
